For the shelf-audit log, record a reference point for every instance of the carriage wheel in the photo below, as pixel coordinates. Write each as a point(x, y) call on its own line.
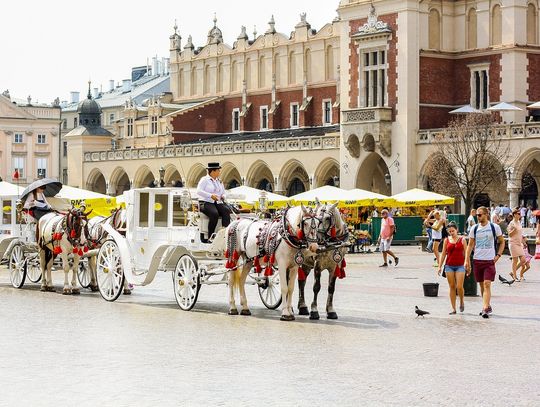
point(17, 267)
point(110, 275)
point(83, 273)
point(33, 269)
point(270, 291)
point(186, 282)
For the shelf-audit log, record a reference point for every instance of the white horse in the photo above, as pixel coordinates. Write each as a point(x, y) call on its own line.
point(60, 235)
point(95, 235)
point(334, 233)
point(284, 242)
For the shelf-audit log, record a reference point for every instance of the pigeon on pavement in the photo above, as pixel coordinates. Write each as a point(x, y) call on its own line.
point(505, 281)
point(420, 312)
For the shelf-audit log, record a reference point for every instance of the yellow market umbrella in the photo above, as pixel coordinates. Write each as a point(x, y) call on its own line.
point(325, 194)
point(250, 196)
point(361, 197)
point(419, 197)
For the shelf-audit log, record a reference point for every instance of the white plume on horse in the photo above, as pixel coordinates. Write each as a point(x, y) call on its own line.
point(247, 238)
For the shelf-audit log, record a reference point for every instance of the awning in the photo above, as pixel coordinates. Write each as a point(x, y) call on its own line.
point(419, 197)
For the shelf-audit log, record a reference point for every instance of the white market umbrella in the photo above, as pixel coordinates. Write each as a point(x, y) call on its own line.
point(419, 197)
point(251, 196)
point(325, 194)
point(504, 107)
point(361, 197)
point(465, 109)
point(534, 106)
point(73, 193)
point(9, 189)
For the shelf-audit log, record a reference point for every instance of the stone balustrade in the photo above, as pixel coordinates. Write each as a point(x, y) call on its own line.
point(367, 114)
point(326, 142)
point(507, 131)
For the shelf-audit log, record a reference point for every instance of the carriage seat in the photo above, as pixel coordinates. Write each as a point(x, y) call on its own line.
point(203, 225)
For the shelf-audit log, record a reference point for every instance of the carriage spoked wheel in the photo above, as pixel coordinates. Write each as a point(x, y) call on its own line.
point(17, 267)
point(33, 269)
point(110, 275)
point(186, 282)
point(83, 273)
point(270, 291)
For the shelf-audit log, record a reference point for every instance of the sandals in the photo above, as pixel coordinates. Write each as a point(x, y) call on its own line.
point(462, 308)
point(452, 313)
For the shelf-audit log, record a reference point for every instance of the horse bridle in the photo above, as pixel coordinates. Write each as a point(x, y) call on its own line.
point(73, 223)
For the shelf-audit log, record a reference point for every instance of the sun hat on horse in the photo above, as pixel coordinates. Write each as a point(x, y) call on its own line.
point(53, 187)
point(213, 166)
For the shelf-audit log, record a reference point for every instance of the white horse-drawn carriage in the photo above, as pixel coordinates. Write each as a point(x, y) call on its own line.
point(163, 232)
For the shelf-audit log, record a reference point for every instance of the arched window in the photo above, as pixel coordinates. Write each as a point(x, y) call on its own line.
point(181, 82)
point(496, 25)
point(329, 69)
point(292, 68)
point(434, 29)
point(262, 73)
point(234, 77)
point(532, 25)
point(219, 79)
point(193, 81)
point(307, 65)
point(206, 80)
point(471, 29)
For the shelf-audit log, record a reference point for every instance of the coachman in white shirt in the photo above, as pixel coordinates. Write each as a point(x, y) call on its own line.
point(211, 193)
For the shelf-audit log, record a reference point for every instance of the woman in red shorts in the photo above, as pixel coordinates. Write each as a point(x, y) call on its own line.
point(454, 249)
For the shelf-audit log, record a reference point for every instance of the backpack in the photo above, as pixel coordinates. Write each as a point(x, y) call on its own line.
point(496, 244)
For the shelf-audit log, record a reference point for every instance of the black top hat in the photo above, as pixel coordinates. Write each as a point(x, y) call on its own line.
point(213, 166)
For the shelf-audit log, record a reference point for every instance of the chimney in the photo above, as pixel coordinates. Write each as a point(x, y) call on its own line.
point(96, 93)
point(74, 97)
point(126, 85)
point(155, 66)
point(111, 85)
point(165, 65)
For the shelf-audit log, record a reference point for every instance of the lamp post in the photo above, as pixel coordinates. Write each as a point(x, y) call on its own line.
point(161, 176)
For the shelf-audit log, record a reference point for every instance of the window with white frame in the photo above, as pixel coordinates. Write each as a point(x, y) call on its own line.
point(129, 127)
point(373, 82)
point(64, 176)
point(41, 139)
point(236, 120)
point(18, 166)
point(41, 167)
point(111, 118)
point(65, 149)
point(480, 86)
point(327, 111)
point(264, 118)
point(294, 115)
point(154, 125)
point(74, 122)
point(18, 138)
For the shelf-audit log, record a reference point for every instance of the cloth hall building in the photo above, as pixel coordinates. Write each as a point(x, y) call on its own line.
point(361, 99)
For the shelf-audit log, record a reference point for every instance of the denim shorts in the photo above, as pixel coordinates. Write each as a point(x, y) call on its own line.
point(454, 269)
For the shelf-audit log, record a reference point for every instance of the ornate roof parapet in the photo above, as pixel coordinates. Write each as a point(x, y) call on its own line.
point(373, 27)
point(243, 33)
point(175, 39)
point(215, 36)
point(189, 44)
point(303, 22)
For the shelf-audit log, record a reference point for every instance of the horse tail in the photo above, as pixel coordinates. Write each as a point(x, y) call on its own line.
point(236, 278)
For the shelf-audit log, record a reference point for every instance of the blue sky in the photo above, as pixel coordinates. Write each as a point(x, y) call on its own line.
point(51, 48)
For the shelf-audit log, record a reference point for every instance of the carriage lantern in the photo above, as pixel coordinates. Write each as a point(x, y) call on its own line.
point(185, 200)
point(263, 201)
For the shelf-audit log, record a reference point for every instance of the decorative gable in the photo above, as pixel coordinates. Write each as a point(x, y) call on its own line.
point(12, 111)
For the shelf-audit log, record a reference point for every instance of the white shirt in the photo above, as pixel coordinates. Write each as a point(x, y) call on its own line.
point(484, 248)
point(209, 186)
point(32, 202)
point(470, 223)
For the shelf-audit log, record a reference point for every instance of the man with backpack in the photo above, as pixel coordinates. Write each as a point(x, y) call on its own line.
point(487, 242)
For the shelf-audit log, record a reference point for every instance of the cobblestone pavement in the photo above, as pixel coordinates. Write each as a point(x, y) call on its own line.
point(143, 350)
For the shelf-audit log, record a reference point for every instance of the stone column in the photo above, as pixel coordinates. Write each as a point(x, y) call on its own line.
point(514, 196)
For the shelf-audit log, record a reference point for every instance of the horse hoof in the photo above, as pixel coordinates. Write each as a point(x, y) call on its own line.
point(94, 288)
point(50, 289)
point(331, 315)
point(287, 318)
point(127, 291)
point(314, 315)
point(233, 311)
point(66, 292)
point(303, 311)
point(43, 288)
point(76, 291)
point(245, 312)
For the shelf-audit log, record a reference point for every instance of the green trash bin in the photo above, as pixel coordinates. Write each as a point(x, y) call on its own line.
point(470, 287)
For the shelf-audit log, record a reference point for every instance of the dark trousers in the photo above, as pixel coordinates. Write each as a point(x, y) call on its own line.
point(214, 211)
